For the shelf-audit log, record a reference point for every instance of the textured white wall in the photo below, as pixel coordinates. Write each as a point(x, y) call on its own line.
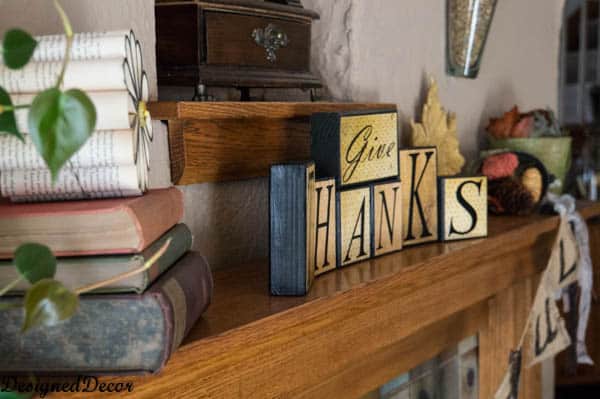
point(383, 50)
point(365, 50)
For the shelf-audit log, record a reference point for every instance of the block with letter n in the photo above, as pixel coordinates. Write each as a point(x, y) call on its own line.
point(324, 238)
point(355, 147)
point(354, 225)
point(463, 207)
point(292, 223)
point(418, 173)
point(386, 199)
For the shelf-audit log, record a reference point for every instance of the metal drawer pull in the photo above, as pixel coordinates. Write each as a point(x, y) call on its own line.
point(272, 39)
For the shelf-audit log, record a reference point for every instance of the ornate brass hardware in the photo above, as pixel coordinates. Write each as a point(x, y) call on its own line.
point(272, 39)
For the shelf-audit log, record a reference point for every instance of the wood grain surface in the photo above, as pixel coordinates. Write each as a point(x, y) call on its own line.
point(336, 341)
point(229, 41)
point(221, 141)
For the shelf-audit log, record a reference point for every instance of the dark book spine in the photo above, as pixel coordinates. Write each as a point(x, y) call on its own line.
point(183, 293)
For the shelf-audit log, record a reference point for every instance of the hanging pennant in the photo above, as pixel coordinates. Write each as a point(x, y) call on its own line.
point(548, 333)
point(566, 207)
point(509, 388)
point(562, 268)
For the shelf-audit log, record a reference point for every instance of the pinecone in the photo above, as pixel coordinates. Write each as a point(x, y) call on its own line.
point(509, 196)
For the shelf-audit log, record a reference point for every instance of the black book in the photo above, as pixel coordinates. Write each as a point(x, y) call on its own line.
point(292, 188)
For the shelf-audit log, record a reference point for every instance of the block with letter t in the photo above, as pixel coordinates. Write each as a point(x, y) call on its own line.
point(463, 207)
point(418, 173)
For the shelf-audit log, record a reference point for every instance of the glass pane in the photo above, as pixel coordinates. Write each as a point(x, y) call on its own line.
point(592, 35)
point(573, 32)
point(572, 63)
point(591, 66)
point(592, 10)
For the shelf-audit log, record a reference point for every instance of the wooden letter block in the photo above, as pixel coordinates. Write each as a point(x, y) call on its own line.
point(387, 217)
point(418, 173)
point(354, 226)
point(292, 217)
point(325, 225)
point(463, 207)
point(355, 148)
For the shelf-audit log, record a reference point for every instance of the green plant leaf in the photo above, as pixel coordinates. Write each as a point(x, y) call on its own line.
point(35, 262)
point(18, 47)
point(8, 123)
point(59, 124)
point(47, 303)
point(15, 395)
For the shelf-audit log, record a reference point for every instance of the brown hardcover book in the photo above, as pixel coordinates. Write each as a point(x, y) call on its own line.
point(112, 334)
point(94, 227)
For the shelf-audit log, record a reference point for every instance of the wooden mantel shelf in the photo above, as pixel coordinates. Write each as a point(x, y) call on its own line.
point(362, 325)
point(221, 141)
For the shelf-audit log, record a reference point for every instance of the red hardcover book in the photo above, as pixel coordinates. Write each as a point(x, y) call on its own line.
point(94, 227)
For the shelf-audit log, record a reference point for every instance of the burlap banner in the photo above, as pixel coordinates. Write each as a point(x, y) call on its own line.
point(548, 334)
point(509, 388)
point(545, 326)
point(562, 266)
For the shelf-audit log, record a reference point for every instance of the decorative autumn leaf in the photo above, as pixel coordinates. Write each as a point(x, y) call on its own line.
point(47, 303)
point(523, 128)
point(439, 129)
point(501, 128)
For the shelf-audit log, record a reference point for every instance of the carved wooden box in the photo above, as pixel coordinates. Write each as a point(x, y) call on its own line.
point(234, 43)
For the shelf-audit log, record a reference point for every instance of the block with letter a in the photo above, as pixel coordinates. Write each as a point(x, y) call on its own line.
point(354, 225)
point(462, 207)
point(387, 217)
point(418, 173)
point(324, 237)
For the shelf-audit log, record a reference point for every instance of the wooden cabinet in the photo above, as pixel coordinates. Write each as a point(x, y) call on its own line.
point(233, 43)
point(365, 324)
point(230, 41)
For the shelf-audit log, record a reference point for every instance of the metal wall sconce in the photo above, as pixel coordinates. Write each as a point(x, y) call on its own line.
point(468, 24)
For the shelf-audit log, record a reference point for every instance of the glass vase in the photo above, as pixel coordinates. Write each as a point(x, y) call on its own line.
point(468, 23)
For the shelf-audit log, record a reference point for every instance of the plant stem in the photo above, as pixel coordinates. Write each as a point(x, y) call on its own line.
point(69, 35)
point(10, 286)
point(10, 108)
point(128, 274)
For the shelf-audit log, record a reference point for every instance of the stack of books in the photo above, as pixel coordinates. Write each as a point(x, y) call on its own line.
point(115, 160)
point(130, 326)
point(112, 226)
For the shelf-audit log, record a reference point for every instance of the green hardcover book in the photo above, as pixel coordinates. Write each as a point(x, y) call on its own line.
point(81, 271)
point(111, 334)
